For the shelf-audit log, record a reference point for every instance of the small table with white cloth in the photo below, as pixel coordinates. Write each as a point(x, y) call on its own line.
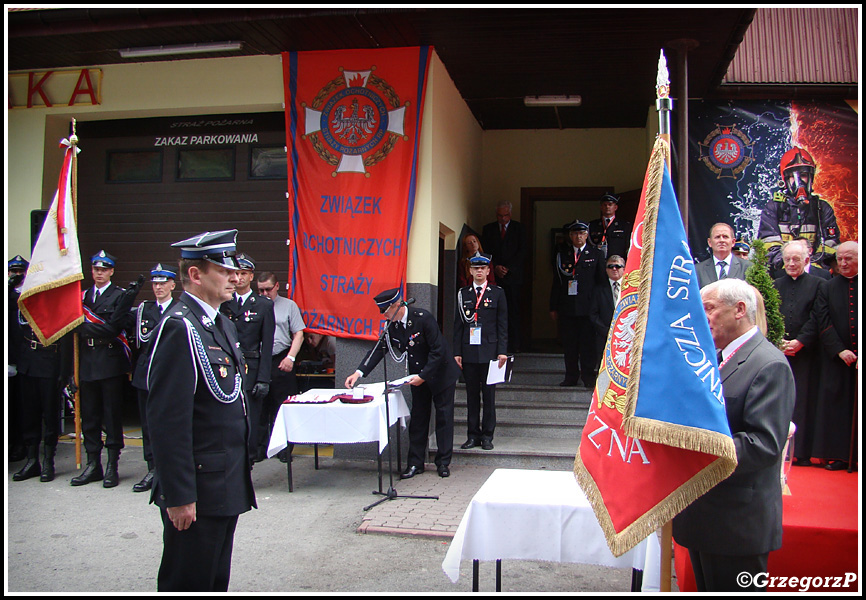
point(308, 421)
point(540, 515)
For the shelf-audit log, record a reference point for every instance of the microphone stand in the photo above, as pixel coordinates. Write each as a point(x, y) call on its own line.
point(391, 494)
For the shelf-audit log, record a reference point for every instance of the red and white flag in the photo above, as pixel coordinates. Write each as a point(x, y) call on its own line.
point(51, 296)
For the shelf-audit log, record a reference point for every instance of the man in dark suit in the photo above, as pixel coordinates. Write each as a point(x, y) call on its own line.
point(480, 336)
point(579, 269)
point(505, 240)
point(604, 302)
point(147, 316)
point(253, 316)
point(414, 333)
point(723, 263)
point(732, 528)
point(103, 364)
point(797, 293)
point(199, 429)
point(838, 309)
point(610, 234)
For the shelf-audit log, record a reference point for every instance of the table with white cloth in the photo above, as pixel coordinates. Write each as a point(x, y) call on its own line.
point(306, 421)
point(540, 515)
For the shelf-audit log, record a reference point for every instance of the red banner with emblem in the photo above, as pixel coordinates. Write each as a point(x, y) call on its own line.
point(353, 120)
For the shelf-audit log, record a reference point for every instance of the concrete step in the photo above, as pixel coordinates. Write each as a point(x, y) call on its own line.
point(557, 414)
point(520, 452)
point(536, 361)
point(506, 392)
point(525, 428)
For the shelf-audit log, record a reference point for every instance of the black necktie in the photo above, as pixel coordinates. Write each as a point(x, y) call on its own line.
point(160, 309)
point(478, 292)
point(615, 291)
point(722, 272)
point(719, 356)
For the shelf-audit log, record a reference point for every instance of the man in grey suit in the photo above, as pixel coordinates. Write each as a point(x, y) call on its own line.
point(723, 263)
point(730, 530)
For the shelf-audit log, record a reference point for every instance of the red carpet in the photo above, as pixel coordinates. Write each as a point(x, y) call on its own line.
point(819, 536)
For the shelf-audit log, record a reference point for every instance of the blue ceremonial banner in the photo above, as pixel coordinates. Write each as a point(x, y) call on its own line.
point(656, 436)
point(677, 370)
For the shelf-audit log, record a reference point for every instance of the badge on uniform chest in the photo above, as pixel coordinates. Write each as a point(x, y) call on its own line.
point(475, 335)
point(572, 287)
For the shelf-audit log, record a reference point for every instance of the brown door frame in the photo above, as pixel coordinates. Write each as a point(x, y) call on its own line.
point(528, 198)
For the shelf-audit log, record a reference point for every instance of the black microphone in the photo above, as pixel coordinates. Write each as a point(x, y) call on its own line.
point(408, 302)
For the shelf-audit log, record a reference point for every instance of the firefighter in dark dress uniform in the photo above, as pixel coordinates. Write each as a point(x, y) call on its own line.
point(16, 269)
point(579, 269)
point(253, 316)
point(480, 336)
point(41, 371)
point(147, 316)
point(610, 234)
point(414, 335)
point(104, 362)
point(199, 426)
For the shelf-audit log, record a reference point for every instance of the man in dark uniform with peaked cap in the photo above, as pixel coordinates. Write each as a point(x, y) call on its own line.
point(480, 336)
point(253, 316)
point(147, 316)
point(103, 364)
point(414, 334)
point(579, 268)
point(609, 233)
point(199, 427)
point(17, 270)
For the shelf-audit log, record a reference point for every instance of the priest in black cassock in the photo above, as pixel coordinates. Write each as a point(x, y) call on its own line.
point(837, 306)
point(797, 292)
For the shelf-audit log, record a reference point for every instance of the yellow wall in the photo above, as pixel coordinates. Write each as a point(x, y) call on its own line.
point(514, 159)
point(449, 180)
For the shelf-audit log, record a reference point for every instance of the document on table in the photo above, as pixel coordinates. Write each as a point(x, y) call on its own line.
point(497, 374)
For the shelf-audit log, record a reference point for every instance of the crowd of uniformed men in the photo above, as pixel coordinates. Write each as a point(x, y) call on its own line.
point(114, 342)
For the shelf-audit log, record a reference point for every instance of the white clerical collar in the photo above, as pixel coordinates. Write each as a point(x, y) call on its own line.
point(209, 310)
point(733, 346)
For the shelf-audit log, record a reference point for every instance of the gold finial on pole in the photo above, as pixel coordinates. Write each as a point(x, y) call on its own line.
point(664, 103)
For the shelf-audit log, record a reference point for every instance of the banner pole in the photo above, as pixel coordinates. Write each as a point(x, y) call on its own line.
point(664, 104)
point(73, 139)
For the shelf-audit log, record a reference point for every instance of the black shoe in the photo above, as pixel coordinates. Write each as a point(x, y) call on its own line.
point(411, 471)
point(145, 484)
point(567, 383)
point(92, 472)
point(486, 445)
point(443, 471)
point(803, 462)
point(31, 468)
point(470, 443)
point(112, 477)
point(48, 453)
point(836, 465)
